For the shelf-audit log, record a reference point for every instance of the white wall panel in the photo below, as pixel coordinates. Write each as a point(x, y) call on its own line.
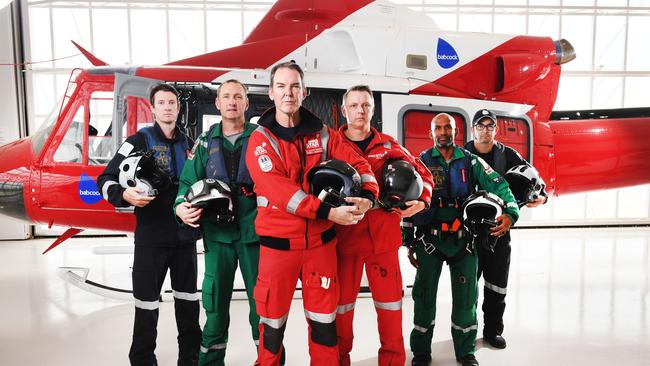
point(149, 37)
point(10, 229)
point(186, 34)
point(610, 43)
point(113, 45)
point(224, 29)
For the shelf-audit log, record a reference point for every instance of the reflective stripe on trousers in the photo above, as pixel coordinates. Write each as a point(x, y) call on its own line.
point(147, 305)
point(188, 296)
point(320, 317)
point(464, 330)
point(342, 309)
point(276, 323)
point(394, 305)
point(423, 329)
point(495, 288)
point(213, 347)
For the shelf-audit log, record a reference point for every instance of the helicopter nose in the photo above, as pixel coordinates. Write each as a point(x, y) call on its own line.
point(14, 178)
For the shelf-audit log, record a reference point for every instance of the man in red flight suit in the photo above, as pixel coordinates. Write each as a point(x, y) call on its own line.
point(296, 230)
point(375, 240)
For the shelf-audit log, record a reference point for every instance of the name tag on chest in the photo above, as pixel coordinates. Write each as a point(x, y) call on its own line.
point(313, 146)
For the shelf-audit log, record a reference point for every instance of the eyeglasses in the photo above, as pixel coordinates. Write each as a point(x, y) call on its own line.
point(481, 127)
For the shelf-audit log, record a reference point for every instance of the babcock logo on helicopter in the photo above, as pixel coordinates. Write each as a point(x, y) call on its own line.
point(446, 54)
point(88, 191)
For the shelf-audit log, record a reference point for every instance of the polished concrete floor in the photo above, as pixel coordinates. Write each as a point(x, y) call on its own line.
point(576, 297)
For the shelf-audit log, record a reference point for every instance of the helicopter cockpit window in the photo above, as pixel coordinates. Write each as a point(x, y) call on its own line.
point(209, 120)
point(141, 109)
point(40, 136)
point(70, 149)
point(100, 147)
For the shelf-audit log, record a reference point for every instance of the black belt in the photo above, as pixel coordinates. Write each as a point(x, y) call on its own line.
point(285, 244)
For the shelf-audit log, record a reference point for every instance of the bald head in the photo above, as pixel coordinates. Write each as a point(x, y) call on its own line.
point(443, 117)
point(443, 130)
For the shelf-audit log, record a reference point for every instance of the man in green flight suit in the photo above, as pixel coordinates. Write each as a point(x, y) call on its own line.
point(219, 154)
point(456, 174)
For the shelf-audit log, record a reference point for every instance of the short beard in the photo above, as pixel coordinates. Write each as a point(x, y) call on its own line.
point(447, 145)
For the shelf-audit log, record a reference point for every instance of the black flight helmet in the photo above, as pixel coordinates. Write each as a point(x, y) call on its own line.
point(334, 180)
point(401, 183)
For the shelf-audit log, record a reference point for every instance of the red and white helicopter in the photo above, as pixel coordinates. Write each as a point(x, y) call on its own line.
point(415, 69)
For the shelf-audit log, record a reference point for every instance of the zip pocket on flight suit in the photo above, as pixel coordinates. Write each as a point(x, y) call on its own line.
point(207, 293)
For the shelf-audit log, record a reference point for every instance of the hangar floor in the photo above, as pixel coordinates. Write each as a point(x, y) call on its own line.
point(575, 297)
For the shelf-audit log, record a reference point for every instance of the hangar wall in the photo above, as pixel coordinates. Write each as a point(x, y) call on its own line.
point(10, 104)
point(611, 70)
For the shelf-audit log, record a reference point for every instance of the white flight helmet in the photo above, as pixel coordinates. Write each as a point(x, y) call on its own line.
point(480, 211)
point(215, 198)
point(525, 183)
point(139, 170)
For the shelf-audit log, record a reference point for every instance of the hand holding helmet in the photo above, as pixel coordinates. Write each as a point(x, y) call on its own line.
point(141, 176)
point(526, 185)
point(401, 184)
point(362, 204)
point(504, 223)
point(211, 200)
point(345, 215)
point(483, 215)
point(136, 197)
point(412, 207)
point(334, 180)
point(538, 202)
point(188, 214)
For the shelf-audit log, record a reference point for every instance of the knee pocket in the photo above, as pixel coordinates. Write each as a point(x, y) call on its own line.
point(207, 293)
point(423, 294)
point(261, 296)
point(385, 282)
point(272, 340)
point(464, 290)
point(322, 289)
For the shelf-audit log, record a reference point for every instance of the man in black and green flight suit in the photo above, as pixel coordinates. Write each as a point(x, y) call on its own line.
point(456, 174)
point(495, 264)
point(219, 154)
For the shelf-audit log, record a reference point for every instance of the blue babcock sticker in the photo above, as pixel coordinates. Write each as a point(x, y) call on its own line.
point(446, 54)
point(88, 191)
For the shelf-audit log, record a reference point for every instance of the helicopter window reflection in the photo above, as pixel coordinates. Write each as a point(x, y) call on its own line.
point(100, 147)
point(140, 109)
point(71, 150)
point(39, 138)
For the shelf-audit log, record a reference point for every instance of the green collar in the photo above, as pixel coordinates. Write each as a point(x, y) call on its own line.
point(248, 130)
point(457, 153)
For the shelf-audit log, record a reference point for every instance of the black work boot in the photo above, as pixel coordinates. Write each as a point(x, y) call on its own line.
point(188, 361)
point(496, 340)
point(421, 360)
point(468, 360)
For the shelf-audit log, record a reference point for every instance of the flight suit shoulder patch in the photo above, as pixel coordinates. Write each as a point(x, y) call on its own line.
point(486, 167)
point(125, 149)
